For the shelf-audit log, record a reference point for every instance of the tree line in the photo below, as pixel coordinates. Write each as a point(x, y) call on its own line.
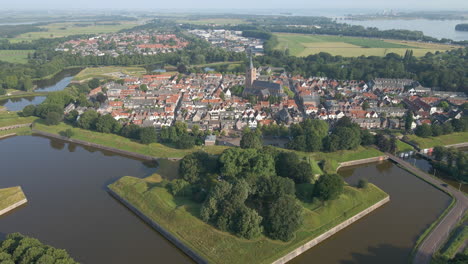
point(452, 161)
point(435, 129)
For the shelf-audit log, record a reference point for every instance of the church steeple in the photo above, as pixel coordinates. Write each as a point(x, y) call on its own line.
point(251, 74)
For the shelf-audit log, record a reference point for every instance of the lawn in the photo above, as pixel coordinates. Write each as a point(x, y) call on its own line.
point(56, 30)
point(304, 45)
point(12, 118)
point(215, 21)
point(444, 140)
point(10, 196)
point(111, 72)
point(15, 56)
point(17, 131)
point(403, 147)
point(179, 216)
point(115, 141)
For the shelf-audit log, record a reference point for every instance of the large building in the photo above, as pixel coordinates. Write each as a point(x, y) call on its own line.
point(262, 89)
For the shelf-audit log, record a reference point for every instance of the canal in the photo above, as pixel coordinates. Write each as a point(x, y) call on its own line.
point(57, 83)
point(70, 208)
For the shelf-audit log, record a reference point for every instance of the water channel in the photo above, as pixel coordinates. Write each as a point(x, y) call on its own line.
point(70, 208)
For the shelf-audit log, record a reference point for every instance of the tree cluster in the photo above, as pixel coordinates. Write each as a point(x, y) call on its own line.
point(17, 248)
point(435, 130)
point(453, 161)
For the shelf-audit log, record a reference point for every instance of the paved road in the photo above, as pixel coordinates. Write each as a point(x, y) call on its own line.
point(440, 233)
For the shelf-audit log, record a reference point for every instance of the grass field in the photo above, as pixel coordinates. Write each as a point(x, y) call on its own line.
point(15, 56)
point(179, 216)
point(10, 196)
point(444, 140)
point(115, 141)
point(303, 45)
point(56, 30)
point(21, 131)
point(111, 72)
point(12, 118)
point(215, 21)
point(403, 147)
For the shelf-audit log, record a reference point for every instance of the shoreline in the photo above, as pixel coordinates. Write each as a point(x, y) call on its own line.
point(13, 206)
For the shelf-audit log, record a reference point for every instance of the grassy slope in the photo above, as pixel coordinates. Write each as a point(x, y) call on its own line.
point(403, 147)
point(455, 242)
point(15, 56)
point(108, 72)
point(304, 45)
point(10, 196)
point(115, 141)
point(18, 131)
point(12, 118)
point(179, 216)
point(449, 139)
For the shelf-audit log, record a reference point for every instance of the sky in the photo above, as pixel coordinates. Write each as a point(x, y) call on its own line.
point(238, 4)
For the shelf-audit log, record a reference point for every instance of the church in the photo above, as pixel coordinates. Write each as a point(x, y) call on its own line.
point(261, 89)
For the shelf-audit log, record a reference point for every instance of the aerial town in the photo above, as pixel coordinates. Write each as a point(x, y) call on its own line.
point(115, 44)
point(230, 40)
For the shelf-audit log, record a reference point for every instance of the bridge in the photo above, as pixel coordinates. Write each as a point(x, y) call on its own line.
point(441, 231)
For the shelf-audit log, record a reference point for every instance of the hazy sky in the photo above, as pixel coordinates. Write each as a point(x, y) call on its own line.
point(238, 4)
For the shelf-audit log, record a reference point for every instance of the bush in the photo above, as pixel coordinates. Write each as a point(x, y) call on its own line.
point(363, 183)
point(53, 118)
point(67, 133)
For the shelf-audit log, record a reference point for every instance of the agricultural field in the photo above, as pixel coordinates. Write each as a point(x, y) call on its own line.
point(109, 72)
point(56, 30)
point(15, 56)
point(304, 45)
point(215, 21)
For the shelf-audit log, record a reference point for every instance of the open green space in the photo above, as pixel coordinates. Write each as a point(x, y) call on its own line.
point(403, 147)
point(56, 30)
point(303, 45)
point(109, 72)
point(115, 141)
point(449, 139)
point(12, 118)
point(180, 217)
point(15, 56)
point(215, 21)
point(21, 131)
point(10, 196)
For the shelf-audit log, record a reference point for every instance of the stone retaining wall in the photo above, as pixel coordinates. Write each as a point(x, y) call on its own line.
point(361, 161)
point(14, 126)
point(160, 229)
point(13, 206)
point(330, 232)
point(8, 135)
point(85, 143)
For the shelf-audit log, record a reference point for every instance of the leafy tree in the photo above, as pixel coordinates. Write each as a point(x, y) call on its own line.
point(107, 124)
point(185, 142)
point(251, 140)
point(439, 153)
point(144, 88)
point(284, 218)
point(409, 119)
point(71, 117)
point(437, 130)
point(94, 83)
point(190, 168)
point(28, 110)
point(350, 138)
point(88, 119)
point(365, 105)
point(248, 223)
point(367, 138)
point(329, 187)
point(53, 118)
point(423, 130)
point(130, 131)
point(447, 128)
point(148, 135)
point(68, 133)
point(179, 187)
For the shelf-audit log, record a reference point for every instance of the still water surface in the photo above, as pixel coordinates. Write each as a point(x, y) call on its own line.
point(70, 208)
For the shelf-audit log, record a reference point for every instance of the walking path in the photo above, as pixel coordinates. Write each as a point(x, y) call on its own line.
point(440, 233)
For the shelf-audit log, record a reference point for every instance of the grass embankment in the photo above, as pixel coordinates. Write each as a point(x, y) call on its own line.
point(15, 56)
point(57, 30)
point(332, 160)
point(21, 131)
point(305, 44)
point(403, 147)
point(12, 118)
point(10, 196)
point(450, 139)
point(179, 216)
point(118, 142)
point(108, 72)
point(458, 239)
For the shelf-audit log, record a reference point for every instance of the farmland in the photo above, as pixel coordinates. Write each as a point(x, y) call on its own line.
point(215, 21)
point(15, 56)
point(303, 45)
point(56, 30)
